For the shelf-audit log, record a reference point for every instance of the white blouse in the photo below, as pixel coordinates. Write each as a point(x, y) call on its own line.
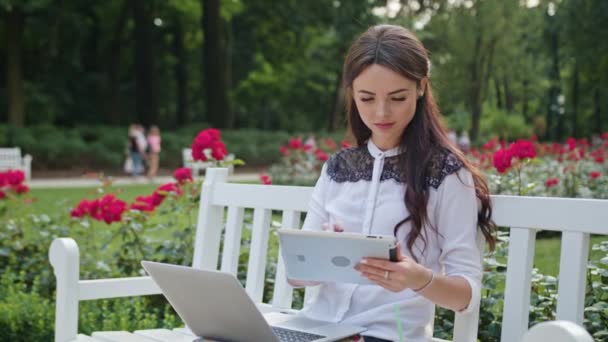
point(358, 200)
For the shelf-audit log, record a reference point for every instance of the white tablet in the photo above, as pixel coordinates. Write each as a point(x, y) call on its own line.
point(331, 256)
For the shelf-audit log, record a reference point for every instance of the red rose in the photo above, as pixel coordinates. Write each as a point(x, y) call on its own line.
point(20, 188)
point(599, 159)
point(595, 174)
point(490, 145)
point(284, 151)
point(551, 182)
point(183, 175)
point(206, 139)
point(571, 142)
point(218, 150)
point(322, 156)
point(3, 180)
point(14, 177)
point(523, 149)
point(2, 194)
point(265, 179)
point(295, 143)
point(605, 136)
point(345, 144)
point(113, 211)
point(307, 147)
point(167, 188)
point(143, 203)
point(502, 160)
point(331, 144)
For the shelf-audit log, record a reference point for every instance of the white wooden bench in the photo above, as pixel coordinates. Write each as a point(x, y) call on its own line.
point(196, 165)
point(10, 158)
point(575, 218)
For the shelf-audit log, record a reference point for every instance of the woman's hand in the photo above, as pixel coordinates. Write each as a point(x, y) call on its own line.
point(395, 276)
point(336, 227)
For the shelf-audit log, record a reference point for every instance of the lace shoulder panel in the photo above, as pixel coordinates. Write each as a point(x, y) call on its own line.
point(441, 165)
point(350, 165)
point(355, 164)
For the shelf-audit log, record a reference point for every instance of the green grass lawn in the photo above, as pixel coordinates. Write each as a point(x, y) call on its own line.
point(56, 201)
point(64, 199)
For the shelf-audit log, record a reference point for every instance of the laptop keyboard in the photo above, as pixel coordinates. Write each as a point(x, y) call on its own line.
point(288, 335)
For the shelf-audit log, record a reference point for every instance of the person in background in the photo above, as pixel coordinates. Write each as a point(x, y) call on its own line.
point(453, 137)
point(153, 151)
point(136, 153)
point(464, 142)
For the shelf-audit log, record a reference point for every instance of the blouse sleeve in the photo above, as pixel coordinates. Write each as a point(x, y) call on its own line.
point(456, 214)
point(317, 214)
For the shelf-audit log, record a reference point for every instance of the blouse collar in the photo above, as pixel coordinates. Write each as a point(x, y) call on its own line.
point(377, 152)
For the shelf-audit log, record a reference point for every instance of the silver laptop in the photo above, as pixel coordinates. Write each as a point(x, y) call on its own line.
point(215, 306)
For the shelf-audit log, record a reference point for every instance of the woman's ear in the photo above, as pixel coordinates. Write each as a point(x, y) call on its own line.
point(422, 86)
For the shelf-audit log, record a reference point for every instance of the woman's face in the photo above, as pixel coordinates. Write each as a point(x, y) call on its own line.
point(386, 102)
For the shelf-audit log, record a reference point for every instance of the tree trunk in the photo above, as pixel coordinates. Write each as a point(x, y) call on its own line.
point(499, 102)
point(14, 75)
point(509, 105)
point(114, 66)
point(524, 106)
point(146, 102)
point(597, 109)
point(575, 100)
point(214, 66)
point(181, 79)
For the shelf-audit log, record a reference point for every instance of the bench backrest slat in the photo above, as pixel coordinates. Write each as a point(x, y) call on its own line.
point(232, 240)
point(283, 293)
point(258, 251)
point(518, 280)
point(573, 276)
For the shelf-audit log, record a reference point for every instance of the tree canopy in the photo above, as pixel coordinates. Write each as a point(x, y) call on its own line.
point(277, 65)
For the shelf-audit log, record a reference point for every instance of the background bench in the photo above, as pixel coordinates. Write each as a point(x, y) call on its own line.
point(10, 158)
point(574, 218)
point(198, 166)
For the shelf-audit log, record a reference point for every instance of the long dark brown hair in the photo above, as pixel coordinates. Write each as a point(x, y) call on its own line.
point(398, 49)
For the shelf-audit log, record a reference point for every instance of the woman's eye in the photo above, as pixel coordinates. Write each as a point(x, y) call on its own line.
point(366, 99)
point(398, 98)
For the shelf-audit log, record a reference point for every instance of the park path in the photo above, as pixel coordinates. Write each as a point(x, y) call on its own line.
point(87, 182)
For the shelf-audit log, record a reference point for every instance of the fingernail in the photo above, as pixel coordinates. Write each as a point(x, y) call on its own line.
point(364, 261)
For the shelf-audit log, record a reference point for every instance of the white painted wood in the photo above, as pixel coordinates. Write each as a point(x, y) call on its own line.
point(120, 336)
point(256, 268)
point(572, 277)
point(557, 331)
point(550, 213)
point(232, 240)
point(517, 287)
point(210, 218)
point(275, 197)
point(117, 287)
point(65, 259)
point(165, 335)
point(10, 158)
point(198, 166)
point(85, 338)
point(466, 325)
point(283, 292)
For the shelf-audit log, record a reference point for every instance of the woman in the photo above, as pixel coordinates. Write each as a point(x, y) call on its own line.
point(406, 178)
point(154, 149)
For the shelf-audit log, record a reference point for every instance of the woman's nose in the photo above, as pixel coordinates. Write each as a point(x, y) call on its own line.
point(382, 109)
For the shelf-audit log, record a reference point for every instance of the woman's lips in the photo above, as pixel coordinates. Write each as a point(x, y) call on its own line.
point(385, 125)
